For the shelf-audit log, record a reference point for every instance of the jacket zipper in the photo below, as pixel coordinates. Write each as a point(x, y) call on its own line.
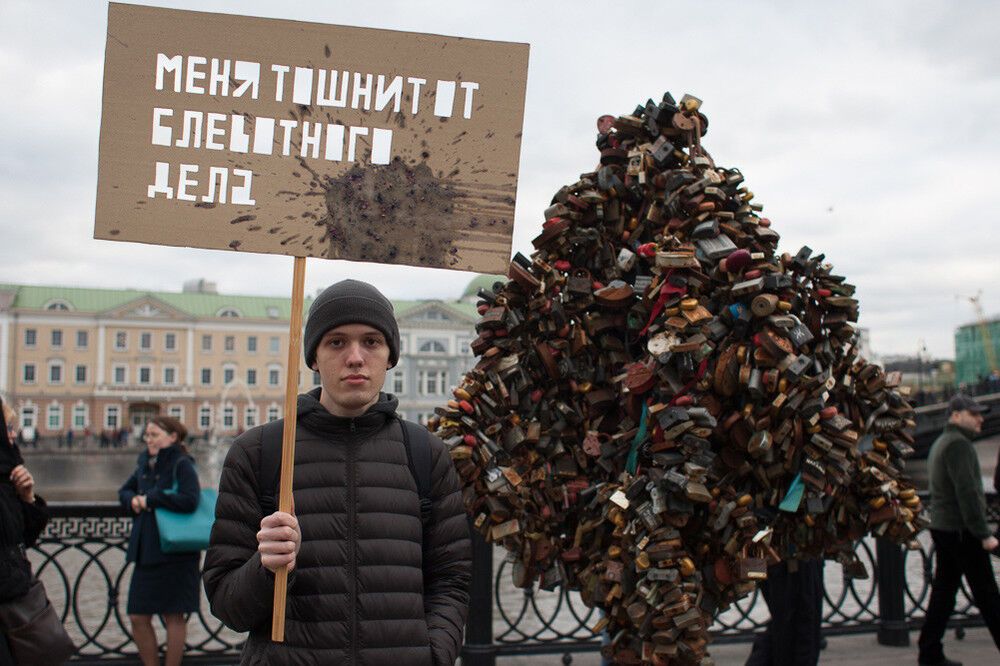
point(352, 543)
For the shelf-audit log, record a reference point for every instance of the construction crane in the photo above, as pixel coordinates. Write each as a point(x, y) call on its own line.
point(984, 329)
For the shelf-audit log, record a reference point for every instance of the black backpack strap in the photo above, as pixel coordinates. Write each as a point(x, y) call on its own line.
point(269, 470)
point(416, 441)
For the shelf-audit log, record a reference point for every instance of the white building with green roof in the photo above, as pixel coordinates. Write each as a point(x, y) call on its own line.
point(102, 360)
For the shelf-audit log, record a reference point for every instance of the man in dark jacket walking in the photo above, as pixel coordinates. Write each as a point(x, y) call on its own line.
point(368, 585)
point(962, 539)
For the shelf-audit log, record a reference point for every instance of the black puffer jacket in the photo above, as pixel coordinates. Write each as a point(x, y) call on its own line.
point(362, 592)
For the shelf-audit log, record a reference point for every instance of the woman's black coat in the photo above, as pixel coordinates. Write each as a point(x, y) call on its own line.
point(157, 485)
point(20, 525)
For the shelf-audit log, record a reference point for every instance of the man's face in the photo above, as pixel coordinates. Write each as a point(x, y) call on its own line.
point(351, 360)
point(971, 421)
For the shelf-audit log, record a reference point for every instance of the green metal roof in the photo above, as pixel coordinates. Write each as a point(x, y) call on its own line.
point(482, 282)
point(32, 297)
point(465, 308)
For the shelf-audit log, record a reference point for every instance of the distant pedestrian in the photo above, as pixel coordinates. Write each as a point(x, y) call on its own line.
point(962, 539)
point(793, 591)
point(996, 474)
point(69, 438)
point(165, 584)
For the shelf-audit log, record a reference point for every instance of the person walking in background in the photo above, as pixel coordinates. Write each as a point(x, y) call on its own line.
point(996, 474)
point(165, 584)
point(962, 539)
point(23, 515)
point(793, 591)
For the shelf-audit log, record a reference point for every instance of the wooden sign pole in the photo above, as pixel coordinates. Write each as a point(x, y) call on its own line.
point(288, 437)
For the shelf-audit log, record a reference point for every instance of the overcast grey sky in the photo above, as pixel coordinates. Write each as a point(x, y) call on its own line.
point(867, 129)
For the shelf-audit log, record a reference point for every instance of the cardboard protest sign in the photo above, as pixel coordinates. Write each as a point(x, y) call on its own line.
point(284, 137)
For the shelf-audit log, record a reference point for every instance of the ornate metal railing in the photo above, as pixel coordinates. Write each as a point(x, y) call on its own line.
point(505, 620)
point(81, 560)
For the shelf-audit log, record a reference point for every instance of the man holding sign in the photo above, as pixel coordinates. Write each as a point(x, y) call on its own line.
point(248, 134)
point(379, 567)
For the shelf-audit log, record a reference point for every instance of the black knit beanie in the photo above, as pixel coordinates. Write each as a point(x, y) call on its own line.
point(350, 302)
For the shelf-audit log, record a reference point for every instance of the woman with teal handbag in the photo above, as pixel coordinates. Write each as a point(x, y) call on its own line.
point(165, 584)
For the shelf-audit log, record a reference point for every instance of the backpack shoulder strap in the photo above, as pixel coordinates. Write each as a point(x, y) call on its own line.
point(269, 470)
point(418, 455)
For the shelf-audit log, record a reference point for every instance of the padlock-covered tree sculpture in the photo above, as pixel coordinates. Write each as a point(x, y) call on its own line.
point(664, 404)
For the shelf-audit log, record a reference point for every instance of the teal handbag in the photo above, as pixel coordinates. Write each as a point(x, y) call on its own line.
point(186, 532)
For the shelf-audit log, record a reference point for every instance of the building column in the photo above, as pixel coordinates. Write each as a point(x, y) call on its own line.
point(5, 348)
point(100, 354)
point(189, 365)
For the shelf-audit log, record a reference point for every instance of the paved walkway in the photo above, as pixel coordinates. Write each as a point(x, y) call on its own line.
point(976, 649)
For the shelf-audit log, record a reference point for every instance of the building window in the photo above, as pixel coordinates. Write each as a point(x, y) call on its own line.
point(169, 375)
point(28, 376)
point(176, 411)
point(228, 374)
point(56, 372)
point(30, 337)
point(79, 417)
point(206, 376)
point(58, 305)
point(54, 416)
point(398, 381)
point(145, 341)
point(251, 376)
point(317, 380)
point(206, 343)
point(252, 344)
point(82, 339)
point(205, 417)
point(272, 312)
point(121, 340)
point(170, 342)
point(274, 344)
point(432, 382)
point(145, 374)
point(273, 413)
point(112, 413)
point(80, 374)
point(118, 374)
point(229, 312)
point(432, 347)
point(435, 315)
point(229, 343)
point(464, 347)
point(57, 338)
point(228, 417)
point(29, 414)
point(273, 377)
point(250, 417)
